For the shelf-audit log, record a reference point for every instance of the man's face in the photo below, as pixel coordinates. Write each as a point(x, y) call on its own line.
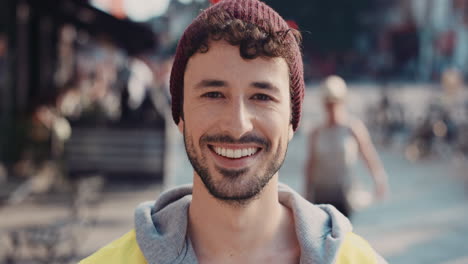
point(236, 121)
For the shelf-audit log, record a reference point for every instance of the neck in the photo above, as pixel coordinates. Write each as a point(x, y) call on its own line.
point(337, 118)
point(219, 230)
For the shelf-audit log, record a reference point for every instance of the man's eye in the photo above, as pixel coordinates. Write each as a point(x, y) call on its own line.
point(262, 97)
point(213, 95)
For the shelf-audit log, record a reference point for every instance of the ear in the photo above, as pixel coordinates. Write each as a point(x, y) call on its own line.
point(180, 125)
point(291, 132)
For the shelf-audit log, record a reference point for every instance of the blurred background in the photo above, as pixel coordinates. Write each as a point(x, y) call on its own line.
point(86, 131)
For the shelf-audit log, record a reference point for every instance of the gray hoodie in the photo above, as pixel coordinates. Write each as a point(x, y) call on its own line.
point(161, 228)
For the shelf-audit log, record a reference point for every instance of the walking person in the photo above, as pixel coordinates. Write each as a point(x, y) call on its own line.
point(333, 149)
point(237, 88)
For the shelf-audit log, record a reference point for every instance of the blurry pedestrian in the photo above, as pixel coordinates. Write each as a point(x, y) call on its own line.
point(333, 150)
point(237, 88)
point(41, 161)
point(454, 96)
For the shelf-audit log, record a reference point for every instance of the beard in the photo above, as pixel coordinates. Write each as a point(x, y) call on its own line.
point(236, 187)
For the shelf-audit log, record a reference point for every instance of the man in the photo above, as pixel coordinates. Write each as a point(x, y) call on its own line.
point(333, 150)
point(237, 88)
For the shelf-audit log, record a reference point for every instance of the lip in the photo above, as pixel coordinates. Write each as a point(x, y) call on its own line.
point(238, 163)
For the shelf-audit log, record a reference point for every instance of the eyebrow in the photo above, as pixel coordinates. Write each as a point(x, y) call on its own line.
point(210, 83)
point(265, 86)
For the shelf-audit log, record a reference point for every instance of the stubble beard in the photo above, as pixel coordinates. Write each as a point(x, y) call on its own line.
point(236, 187)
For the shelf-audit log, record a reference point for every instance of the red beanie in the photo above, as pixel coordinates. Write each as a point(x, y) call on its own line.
point(253, 12)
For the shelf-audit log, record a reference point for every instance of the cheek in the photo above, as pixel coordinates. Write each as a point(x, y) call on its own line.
point(205, 121)
point(194, 127)
point(198, 123)
point(276, 125)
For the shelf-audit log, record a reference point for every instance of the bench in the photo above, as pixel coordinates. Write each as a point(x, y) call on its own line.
point(130, 153)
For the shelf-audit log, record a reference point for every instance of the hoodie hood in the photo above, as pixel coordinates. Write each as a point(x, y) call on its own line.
point(161, 227)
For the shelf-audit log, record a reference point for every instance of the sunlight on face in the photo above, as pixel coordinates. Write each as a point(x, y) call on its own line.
point(236, 120)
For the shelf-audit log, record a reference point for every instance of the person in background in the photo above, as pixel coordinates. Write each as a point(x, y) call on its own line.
point(333, 150)
point(237, 87)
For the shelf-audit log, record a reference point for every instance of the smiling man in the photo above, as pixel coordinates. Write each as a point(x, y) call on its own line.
point(237, 88)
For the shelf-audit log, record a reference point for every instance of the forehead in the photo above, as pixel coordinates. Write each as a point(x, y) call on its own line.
point(223, 61)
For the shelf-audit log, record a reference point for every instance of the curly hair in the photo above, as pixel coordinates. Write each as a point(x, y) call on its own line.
point(253, 40)
point(256, 29)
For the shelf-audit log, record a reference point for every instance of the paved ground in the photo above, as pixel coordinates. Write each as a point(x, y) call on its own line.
point(425, 219)
point(422, 222)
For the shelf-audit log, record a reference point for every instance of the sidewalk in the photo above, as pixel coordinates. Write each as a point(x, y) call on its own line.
point(112, 216)
point(424, 221)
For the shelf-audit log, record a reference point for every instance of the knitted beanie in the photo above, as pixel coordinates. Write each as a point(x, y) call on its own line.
point(253, 12)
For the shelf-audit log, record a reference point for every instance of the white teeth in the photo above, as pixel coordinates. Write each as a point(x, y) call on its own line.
point(235, 153)
point(245, 152)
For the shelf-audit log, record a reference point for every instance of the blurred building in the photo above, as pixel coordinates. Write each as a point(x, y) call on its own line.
point(69, 57)
point(420, 39)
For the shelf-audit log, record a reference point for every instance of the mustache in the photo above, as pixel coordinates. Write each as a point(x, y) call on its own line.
point(246, 139)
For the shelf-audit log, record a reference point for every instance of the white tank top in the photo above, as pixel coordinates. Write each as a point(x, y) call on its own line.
point(335, 153)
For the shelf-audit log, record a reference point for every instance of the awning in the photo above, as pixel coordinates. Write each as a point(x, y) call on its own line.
point(131, 36)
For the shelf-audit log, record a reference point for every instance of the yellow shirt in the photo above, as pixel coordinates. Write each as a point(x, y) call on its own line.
point(125, 250)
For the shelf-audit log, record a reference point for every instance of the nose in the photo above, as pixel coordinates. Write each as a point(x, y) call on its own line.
point(237, 119)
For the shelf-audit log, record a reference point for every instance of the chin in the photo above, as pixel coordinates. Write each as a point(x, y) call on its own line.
point(235, 186)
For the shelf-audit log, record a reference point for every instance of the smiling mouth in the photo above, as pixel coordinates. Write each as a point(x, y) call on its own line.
point(235, 153)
